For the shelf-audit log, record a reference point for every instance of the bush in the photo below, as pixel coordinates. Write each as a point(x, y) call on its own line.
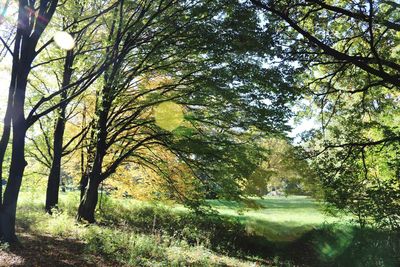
point(124, 247)
point(209, 230)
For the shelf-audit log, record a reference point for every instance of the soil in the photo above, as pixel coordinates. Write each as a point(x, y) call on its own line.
point(49, 251)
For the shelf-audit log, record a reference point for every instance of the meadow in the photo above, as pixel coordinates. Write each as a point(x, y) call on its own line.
point(281, 231)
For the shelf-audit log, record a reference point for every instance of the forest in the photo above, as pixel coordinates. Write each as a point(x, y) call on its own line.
point(200, 133)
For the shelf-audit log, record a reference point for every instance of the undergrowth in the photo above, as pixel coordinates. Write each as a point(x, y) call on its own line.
point(151, 234)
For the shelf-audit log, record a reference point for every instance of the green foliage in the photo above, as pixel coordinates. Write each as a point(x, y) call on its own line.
point(347, 54)
point(171, 52)
point(281, 169)
point(4, 246)
point(371, 194)
point(151, 250)
point(356, 143)
point(341, 246)
point(357, 158)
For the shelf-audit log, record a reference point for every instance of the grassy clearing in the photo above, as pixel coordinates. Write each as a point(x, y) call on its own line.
point(280, 219)
point(285, 232)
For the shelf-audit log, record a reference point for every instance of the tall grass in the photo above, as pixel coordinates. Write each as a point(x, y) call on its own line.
point(285, 232)
point(138, 234)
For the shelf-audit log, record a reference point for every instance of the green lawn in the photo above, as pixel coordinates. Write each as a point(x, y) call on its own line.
point(279, 218)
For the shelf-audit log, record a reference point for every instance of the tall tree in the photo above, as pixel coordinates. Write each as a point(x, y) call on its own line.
point(32, 21)
point(216, 77)
point(82, 32)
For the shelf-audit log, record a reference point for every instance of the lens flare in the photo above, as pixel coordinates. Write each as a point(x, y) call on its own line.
point(168, 115)
point(64, 40)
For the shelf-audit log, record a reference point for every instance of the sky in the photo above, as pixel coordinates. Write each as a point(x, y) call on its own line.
point(4, 84)
point(304, 125)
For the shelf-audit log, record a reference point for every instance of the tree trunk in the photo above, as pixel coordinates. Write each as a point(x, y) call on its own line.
point(96, 152)
point(88, 203)
point(53, 184)
point(3, 147)
point(5, 137)
point(83, 184)
point(17, 167)
point(89, 199)
point(18, 162)
point(15, 113)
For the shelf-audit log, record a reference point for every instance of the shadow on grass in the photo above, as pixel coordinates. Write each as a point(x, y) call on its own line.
point(331, 246)
point(43, 250)
point(291, 203)
point(301, 245)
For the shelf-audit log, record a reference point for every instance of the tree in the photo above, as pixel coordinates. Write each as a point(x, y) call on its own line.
point(121, 114)
point(358, 168)
point(30, 28)
point(345, 34)
point(73, 56)
point(216, 77)
point(33, 19)
point(282, 169)
point(351, 71)
point(81, 67)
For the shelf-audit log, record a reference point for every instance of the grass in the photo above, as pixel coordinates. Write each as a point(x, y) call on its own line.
point(291, 231)
point(280, 219)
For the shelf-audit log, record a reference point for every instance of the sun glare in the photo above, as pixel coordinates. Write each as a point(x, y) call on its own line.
point(64, 40)
point(169, 115)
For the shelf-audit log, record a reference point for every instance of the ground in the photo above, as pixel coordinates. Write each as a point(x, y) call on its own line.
point(291, 231)
point(47, 250)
